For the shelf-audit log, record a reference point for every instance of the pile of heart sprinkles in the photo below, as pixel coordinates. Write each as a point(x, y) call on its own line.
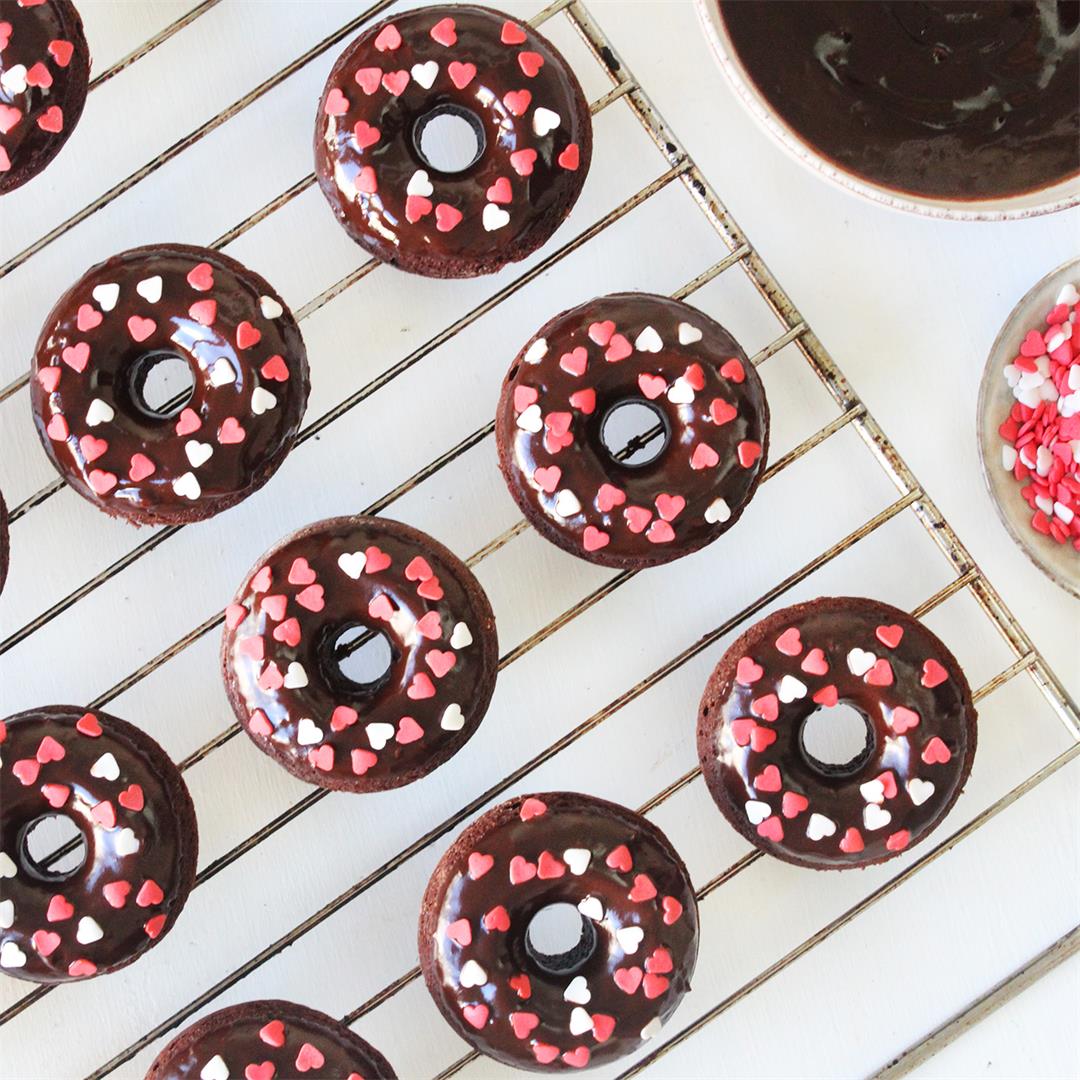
point(1042, 430)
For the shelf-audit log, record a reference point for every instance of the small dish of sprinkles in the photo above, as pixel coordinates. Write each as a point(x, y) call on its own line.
point(1029, 424)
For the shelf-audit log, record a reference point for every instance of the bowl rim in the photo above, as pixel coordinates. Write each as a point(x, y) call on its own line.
point(1060, 195)
point(1029, 542)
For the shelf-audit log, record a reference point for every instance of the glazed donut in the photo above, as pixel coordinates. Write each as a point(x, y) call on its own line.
point(530, 119)
point(583, 366)
point(44, 75)
point(181, 461)
point(920, 732)
point(5, 542)
point(137, 823)
point(285, 638)
point(269, 1040)
point(599, 1000)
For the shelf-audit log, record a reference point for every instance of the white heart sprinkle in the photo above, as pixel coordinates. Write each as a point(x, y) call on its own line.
point(461, 637)
point(591, 908)
point(648, 341)
point(88, 931)
point(126, 843)
point(198, 453)
point(215, 1069)
point(544, 120)
point(308, 733)
point(262, 400)
point(419, 184)
point(536, 351)
point(791, 689)
point(566, 503)
point(187, 486)
point(14, 79)
point(757, 811)
point(270, 308)
point(578, 859)
point(681, 392)
point(7, 865)
point(531, 419)
point(688, 334)
point(629, 938)
point(379, 735)
point(222, 373)
point(453, 719)
point(11, 956)
point(652, 1028)
point(100, 412)
point(352, 563)
point(296, 677)
point(580, 1021)
point(150, 289)
point(717, 511)
point(425, 74)
point(874, 817)
point(860, 662)
point(578, 991)
point(7, 914)
point(472, 974)
point(920, 790)
point(495, 217)
point(873, 791)
point(106, 295)
point(105, 767)
point(1068, 295)
point(820, 826)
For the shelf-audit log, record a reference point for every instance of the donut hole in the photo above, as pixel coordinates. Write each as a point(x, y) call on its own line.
point(634, 432)
point(837, 741)
point(559, 939)
point(449, 139)
point(359, 658)
point(160, 384)
point(52, 847)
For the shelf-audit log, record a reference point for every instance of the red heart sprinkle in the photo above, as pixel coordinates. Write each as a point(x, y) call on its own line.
point(608, 497)
point(440, 662)
point(532, 808)
point(767, 707)
point(548, 867)
point(430, 626)
point(104, 813)
point(275, 369)
point(362, 760)
point(260, 724)
point(201, 277)
point(888, 783)
point(116, 893)
point(899, 840)
point(287, 632)
point(309, 1057)
point(594, 539)
point(747, 672)
point(748, 452)
point(936, 752)
point(652, 386)
point(498, 918)
point(76, 356)
point(524, 396)
point(517, 101)
point(933, 674)
point(430, 589)
point(389, 38)
point(271, 678)
point(26, 771)
point(376, 560)
point(154, 925)
point(141, 468)
point(460, 932)
point(149, 894)
point(852, 842)
point(732, 369)
point(500, 191)
point(380, 607)
point(1033, 345)
point(51, 120)
point(139, 328)
point(45, 942)
point(39, 75)
point(204, 312)
point(628, 979)
point(772, 828)
point(793, 804)
point(187, 422)
point(790, 642)
point(461, 74)
point(530, 63)
point(311, 598)
point(620, 859)
point(274, 606)
point(521, 870)
point(512, 34)
point(570, 158)
point(889, 635)
point(618, 349)
point(695, 376)
point(670, 506)
point(421, 687)
point(443, 32)
point(88, 725)
point(903, 719)
point(409, 731)
point(418, 569)
point(92, 448)
point(343, 717)
point(9, 118)
point(55, 794)
point(337, 104)
point(545, 1053)
point(61, 51)
point(660, 532)
point(603, 1026)
point(768, 779)
point(369, 79)
point(59, 909)
point(367, 183)
point(88, 318)
point(416, 207)
point(81, 967)
point(247, 335)
point(575, 362)
point(523, 1023)
point(827, 696)
point(672, 910)
point(585, 400)
point(252, 647)
point(814, 663)
point(447, 217)
point(265, 1071)
point(761, 738)
point(577, 1058)
point(643, 889)
point(741, 730)
point(49, 378)
point(601, 332)
point(230, 433)
point(395, 82)
point(102, 482)
point(479, 865)
point(365, 134)
point(704, 457)
point(881, 674)
point(547, 478)
point(131, 798)
point(57, 429)
point(521, 986)
point(49, 750)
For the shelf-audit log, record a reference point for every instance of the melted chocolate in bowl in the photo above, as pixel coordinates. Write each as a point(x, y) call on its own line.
point(961, 100)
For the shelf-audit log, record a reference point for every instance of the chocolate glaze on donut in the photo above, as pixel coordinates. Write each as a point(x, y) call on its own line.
point(282, 648)
point(44, 74)
point(137, 820)
point(98, 347)
point(601, 1000)
point(961, 100)
point(269, 1040)
point(511, 84)
point(5, 542)
point(921, 732)
point(632, 347)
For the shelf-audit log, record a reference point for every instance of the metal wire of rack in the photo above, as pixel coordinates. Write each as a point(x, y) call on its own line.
point(852, 413)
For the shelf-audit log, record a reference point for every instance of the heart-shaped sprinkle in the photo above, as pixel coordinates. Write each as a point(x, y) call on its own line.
point(309, 1057)
point(150, 289)
point(771, 829)
point(262, 400)
point(337, 104)
point(388, 39)
point(875, 817)
point(126, 843)
point(352, 564)
point(577, 991)
point(475, 1015)
point(106, 295)
point(198, 453)
point(933, 674)
point(521, 870)
point(793, 804)
point(580, 1021)
point(461, 74)
point(768, 779)
point(408, 731)
point(517, 101)
point(56, 794)
point(460, 932)
point(453, 719)
point(903, 719)
point(523, 1023)
point(688, 335)
point(308, 733)
point(44, 942)
point(643, 889)
point(76, 356)
point(704, 457)
point(790, 642)
point(494, 217)
point(881, 674)
point(717, 512)
point(11, 956)
point(296, 677)
point(479, 865)
point(139, 328)
point(747, 672)
point(648, 341)
point(860, 662)
point(757, 811)
point(593, 539)
point(444, 32)
point(919, 790)
point(26, 771)
point(936, 752)
point(791, 689)
point(889, 636)
point(88, 931)
point(577, 859)
point(132, 798)
point(88, 318)
point(628, 979)
point(59, 909)
point(591, 908)
point(472, 974)
point(106, 767)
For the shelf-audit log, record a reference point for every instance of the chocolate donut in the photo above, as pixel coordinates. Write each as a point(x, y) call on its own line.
point(289, 629)
point(137, 826)
point(191, 457)
point(600, 999)
point(269, 1040)
point(532, 126)
point(576, 373)
point(44, 74)
point(5, 542)
point(920, 733)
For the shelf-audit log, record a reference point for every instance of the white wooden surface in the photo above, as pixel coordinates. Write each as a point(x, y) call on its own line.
point(907, 307)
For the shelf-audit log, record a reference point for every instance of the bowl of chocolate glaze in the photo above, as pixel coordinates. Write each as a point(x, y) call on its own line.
point(961, 109)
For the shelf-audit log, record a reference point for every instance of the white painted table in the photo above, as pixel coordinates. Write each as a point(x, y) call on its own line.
point(907, 307)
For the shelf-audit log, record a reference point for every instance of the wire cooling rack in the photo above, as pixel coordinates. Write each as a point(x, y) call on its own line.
point(851, 432)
